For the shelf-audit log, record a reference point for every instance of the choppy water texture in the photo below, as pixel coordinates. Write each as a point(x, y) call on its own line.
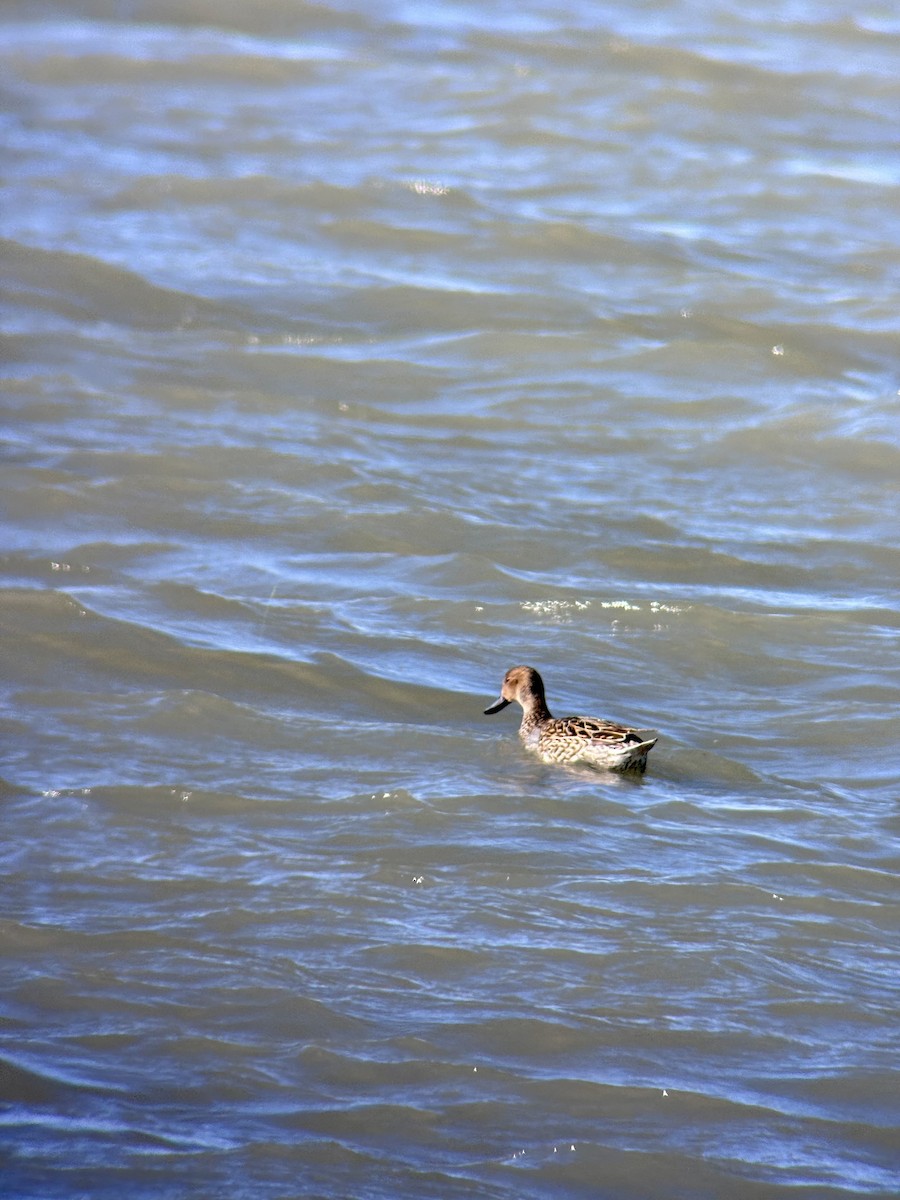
point(354, 353)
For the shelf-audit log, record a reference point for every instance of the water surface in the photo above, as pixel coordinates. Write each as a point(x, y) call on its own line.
point(352, 354)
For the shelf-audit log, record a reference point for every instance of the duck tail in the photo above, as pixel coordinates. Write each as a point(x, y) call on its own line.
point(634, 755)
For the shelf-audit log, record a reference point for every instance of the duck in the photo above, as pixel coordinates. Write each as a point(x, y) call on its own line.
point(589, 740)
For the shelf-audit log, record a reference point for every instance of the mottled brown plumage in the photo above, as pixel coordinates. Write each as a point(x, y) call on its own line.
point(570, 739)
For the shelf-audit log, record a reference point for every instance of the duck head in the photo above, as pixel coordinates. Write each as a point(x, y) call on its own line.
point(522, 684)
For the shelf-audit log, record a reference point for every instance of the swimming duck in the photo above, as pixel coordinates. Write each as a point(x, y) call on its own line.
point(570, 739)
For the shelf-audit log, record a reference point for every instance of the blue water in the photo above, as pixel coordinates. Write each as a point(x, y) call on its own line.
point(351, 356)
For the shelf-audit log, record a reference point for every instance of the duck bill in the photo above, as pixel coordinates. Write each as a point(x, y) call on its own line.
point(496, 706)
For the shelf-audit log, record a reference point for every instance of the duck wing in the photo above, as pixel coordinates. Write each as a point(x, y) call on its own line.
point(595, 729)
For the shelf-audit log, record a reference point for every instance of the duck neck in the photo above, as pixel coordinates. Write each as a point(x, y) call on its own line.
point(534, 710)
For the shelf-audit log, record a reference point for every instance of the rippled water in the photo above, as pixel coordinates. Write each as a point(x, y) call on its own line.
point(354, 353)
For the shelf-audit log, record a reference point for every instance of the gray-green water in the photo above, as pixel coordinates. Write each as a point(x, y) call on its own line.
point(354, 353)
